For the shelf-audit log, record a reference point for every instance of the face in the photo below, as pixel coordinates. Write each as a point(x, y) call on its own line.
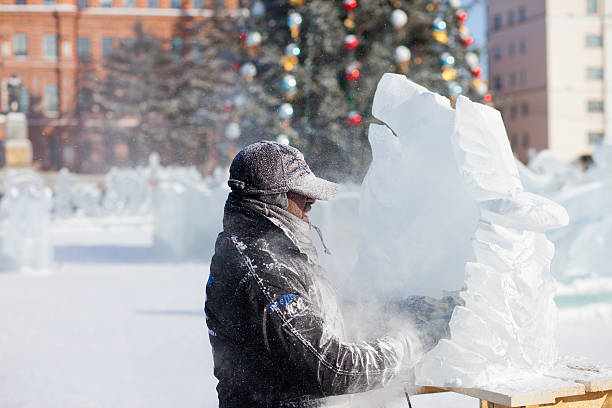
point(299, 205)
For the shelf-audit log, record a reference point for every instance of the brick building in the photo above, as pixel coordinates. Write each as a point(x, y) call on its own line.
point(49, 43)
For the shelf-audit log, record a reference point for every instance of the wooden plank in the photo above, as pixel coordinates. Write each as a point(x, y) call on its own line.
point(593, 377)
point(531, 391)
point(417, 390)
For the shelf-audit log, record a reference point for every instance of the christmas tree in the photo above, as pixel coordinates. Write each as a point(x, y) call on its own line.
point(319, 62)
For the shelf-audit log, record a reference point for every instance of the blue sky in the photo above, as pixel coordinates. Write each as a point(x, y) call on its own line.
point(477, 22)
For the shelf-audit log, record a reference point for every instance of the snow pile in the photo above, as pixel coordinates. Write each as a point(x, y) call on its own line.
point(466, 223)
point(25, 211)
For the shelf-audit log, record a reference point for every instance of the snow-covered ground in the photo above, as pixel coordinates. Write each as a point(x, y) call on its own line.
point(114, 326)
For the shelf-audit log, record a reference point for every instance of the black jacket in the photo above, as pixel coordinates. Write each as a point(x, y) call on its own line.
point(273, 320)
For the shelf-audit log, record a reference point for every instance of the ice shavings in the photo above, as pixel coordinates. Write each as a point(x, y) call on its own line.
point(445, 197)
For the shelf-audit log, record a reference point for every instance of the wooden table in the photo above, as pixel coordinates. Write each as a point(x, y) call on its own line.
point(566, 386)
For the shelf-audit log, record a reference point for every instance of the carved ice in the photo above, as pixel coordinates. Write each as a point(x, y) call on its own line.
point(443, 208)
point(26, 211)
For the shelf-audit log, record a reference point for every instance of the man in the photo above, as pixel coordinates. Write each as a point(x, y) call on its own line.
point(273, 320)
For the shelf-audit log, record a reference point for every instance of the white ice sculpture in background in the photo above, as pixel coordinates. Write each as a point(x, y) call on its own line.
point(86, 198)
point(443, 208)
point(127, 192)
point(63, 206)
point(26, 211)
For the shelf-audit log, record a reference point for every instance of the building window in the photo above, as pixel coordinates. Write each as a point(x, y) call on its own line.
point(51, 99)
point(176, 4)
point(511, 50)
point(129, 3)
point(523, 47)
point(594, 41)
point(20, 2)
point(198, 4)
point(512, 79)
point(513, 112)
point(595, 73)
point(152, 3)
point(524, 109)
point(525, 139)
point(522, 14)
point(523, 77)
point(497, 21)
point(497, 53)
point(592, 6)
point(20, 45)
point(83, 46)
point(511, 17)
point(83, 4)
point(595, 137)
point(595, 106)
point(50, 46)
point(513, 140)
point(497, 81)
point(106, 3)
point(107, 47)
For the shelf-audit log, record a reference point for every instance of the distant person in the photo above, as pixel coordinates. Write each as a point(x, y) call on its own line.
point(273, 320)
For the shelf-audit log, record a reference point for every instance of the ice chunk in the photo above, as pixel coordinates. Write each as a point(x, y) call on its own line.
point(443, 208)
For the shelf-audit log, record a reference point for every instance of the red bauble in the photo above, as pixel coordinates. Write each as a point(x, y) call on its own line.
point(237, 66)
point(228, 106)
point(476, 72)
point(468, 40)
point(354, 118)
point(349, 5)
point(352, 75)
point(462, 15)
point(351, 42)
point(487, 98)
point(243, 36)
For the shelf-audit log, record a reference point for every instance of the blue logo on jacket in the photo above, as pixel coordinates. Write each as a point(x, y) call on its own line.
point(283, 302)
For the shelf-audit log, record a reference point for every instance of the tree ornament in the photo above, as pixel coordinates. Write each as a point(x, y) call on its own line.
point(282, 139)
point(258, 9)
point(354, 118)
point(240, 100)
point(449, 74)
point(488, 98)
point(447, 60)
point(228, 106)
point(454, 3)
point(289, 83)
point(351, 73)
point(454, 88)
point(232, 131)
point(292, 49)
point(398, 18)
point(243, 36)
point(351, 42)
point(349, 23)
point(253, 40)
point(440, 36)
point(471, 59)
point(294, 21)
point(285, 111)
point(480, 87)
point(248, 71)
point(461, 15)
point(289, 62)
point(476, 72)
point(296, 3)
point(439, 24)
point(402, 56)
point(349, 5)
point(467, 40)
point(464, 30)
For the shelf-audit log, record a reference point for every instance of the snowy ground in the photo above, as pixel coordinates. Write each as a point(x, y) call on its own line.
point(111, 328)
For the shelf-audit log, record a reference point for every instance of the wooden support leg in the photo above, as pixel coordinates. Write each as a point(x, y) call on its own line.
point(601, 399)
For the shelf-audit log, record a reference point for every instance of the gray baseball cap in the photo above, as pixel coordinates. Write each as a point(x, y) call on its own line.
point(270, 168)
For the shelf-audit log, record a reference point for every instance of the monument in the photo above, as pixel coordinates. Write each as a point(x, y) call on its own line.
point(18, 148)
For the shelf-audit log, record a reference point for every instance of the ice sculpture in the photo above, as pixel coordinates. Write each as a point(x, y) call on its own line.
point(26, 208)
point(443, 208)
point(127, 192)
point(62, 194)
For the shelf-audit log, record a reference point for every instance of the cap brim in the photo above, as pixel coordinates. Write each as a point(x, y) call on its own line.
point(317, 188)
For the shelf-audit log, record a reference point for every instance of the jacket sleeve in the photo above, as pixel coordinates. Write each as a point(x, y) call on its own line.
point(296, 334)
